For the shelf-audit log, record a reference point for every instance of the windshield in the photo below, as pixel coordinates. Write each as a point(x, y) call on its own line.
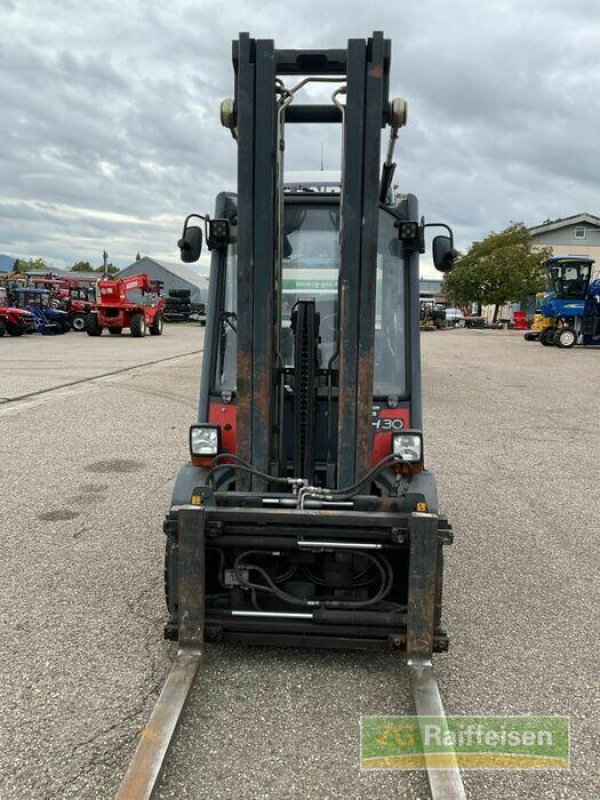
point(390, 312)
point(310, 268)
point(569, 280)
point(227, 328)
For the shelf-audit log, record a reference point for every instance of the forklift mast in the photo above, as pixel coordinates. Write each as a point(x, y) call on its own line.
point(260, 131)
point(258, 115)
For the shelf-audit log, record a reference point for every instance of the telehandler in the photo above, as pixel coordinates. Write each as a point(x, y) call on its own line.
point(306, 515)
point(133, 302)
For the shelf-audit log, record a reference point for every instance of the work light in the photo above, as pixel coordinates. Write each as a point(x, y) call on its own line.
point(408, 230)
point(205, 440)
point(408, 446)
point(218, 233)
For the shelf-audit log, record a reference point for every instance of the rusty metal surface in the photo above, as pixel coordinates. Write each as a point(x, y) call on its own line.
point(244, 96)
point(374, 101)
point(190, 575)
point(345, 449)
point(423, 586)
point(143, 775)
point(349, 280)
point(145, 769)
point(265, 275)
point(444, 784)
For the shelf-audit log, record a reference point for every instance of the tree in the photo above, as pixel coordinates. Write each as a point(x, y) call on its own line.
point(503, 268)
point(28, 265)
point(110, 269)
point(82, 266)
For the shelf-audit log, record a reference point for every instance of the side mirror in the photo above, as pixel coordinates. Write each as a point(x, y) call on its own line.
point(443, 253)
point(190, 244)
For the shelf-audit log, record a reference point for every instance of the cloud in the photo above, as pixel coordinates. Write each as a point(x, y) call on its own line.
point(111, 132)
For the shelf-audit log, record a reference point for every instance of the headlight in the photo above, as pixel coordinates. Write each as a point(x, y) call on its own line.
point(408, 446)
point(205, 440)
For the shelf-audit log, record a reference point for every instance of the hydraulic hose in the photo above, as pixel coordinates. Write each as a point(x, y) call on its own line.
point(350, 491)
point(238, 463)
point(380, 562)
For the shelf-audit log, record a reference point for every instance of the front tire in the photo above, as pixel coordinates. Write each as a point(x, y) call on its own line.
point(548, 337)
point(92, 325)
point(156, 328)
point(14, 330)
point(138, 325)
point(78, 322)
point(566, 338)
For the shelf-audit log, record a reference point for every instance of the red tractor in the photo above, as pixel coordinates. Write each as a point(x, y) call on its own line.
point(14, 321)
point(133, 302)
point(76, 300)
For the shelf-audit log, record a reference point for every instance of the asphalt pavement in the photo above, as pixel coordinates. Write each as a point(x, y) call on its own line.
point(512, 433)
point(33, 364)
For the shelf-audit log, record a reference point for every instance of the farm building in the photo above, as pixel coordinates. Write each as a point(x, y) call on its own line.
point(578, 235)
point(173, 276)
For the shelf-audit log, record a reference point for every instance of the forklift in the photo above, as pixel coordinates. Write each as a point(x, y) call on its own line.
point(306, 516)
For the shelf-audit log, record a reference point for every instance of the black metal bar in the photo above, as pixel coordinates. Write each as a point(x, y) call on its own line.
point(304, 326)
point(271, 539)
point(303, 640)
point(422, 583)
point(190, 575)
point(322, 517)
point(295, 633)
point(383, 627)
point(311, 62)
point(351, 220)
point(212, 330)
point(413, 324)
point(263, 273)
point(374, 102)
point(244, 99)
point(313, 113)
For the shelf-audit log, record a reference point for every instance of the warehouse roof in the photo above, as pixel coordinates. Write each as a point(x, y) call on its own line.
point(175, 269)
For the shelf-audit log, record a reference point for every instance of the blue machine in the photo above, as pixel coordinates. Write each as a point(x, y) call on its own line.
point(565, 301)
point(48, 320)
point(591, 315)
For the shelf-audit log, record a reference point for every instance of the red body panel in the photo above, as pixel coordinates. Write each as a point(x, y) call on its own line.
point(225, 415)
point(80, 306)
point(386, 421)
point(14, 315)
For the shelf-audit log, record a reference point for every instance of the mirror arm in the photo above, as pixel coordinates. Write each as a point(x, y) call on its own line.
point(205, 219)
point(440, 225)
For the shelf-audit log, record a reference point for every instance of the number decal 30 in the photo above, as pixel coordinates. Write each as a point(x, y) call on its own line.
point(387, 424)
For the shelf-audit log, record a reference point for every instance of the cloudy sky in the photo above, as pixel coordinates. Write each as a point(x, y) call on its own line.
point(110, 113)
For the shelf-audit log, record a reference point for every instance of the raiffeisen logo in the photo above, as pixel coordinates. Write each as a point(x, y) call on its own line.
point(467, 742)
